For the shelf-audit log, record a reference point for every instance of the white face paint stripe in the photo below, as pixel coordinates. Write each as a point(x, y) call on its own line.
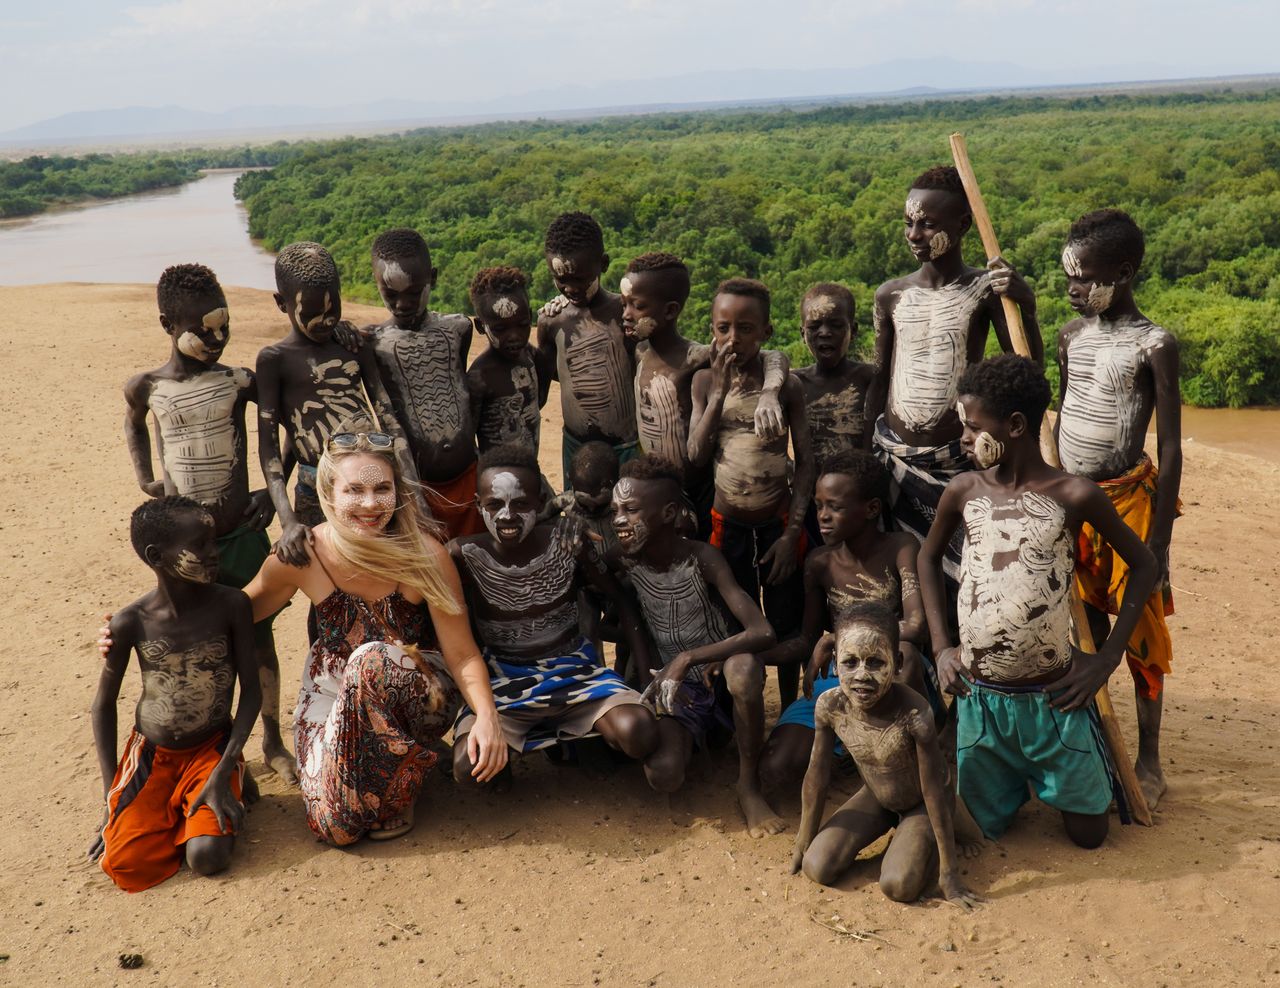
point(393, 275)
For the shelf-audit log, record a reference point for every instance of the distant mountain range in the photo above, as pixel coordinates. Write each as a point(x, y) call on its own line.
point(895, 79)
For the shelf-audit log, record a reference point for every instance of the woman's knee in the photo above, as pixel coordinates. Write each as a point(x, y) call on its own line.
point(744, 675)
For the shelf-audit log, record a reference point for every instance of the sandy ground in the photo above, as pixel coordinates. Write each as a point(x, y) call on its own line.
point(573, 878)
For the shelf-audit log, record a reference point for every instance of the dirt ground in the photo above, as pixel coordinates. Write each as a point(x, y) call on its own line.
point(578, 878)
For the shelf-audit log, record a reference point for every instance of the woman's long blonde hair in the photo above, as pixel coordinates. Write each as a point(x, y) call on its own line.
point(401, 552)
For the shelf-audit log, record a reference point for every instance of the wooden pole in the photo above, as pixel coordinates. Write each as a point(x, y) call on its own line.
point(1084, 635)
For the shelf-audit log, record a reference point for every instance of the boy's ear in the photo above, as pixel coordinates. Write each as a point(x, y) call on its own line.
point(670, 512)
point(151, 554)
point(604, 263)
point(768, 330)
point(280, 303)
point(874, 507)
point(966, 221)
point(168, 326)
point(1126, 274)
point(435, 273)
point(1017, 425)
point(671, 311)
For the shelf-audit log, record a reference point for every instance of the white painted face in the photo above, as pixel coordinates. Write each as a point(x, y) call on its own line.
point(505, 308)
point(625, 285)
point(644, 327)
point(562, 266)
point(864, 664)
point(914, 209)
point(1071, 262)
point(393, 275)
point(320, 326)
point(216, 322)
point(987, 450)
point(505, 523)
point(939, 244)
point(628, 523)
point(364, 493)
point(190, 345)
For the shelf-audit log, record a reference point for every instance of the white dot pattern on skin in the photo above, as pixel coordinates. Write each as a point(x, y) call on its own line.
point(370, 476)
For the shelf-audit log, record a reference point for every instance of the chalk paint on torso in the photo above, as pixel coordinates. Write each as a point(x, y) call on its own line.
point(540, 595)
point(678, 609)
point(425, 371)
point(596, 374)
point(196, 418)
point(750, 472)
point(930, 349)
point(1016, 581)
point(1104, 412)
point(339, 398)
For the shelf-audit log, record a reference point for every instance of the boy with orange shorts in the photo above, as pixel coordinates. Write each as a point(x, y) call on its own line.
point(175, 794)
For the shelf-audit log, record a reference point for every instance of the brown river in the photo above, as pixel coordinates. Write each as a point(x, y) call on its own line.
point(133, 239)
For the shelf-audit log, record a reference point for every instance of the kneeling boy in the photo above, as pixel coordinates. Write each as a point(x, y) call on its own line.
point(522, 580)
point(1025, 695)
point(176, 792)
point(683, 588)
point(888, 728)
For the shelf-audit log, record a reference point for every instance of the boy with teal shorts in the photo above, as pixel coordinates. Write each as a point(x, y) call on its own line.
point(1025, 695)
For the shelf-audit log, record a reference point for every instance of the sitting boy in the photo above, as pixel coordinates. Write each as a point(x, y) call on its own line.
point(422, 357)
point(175, 794)
point(199, 406)
point(309, 385)
point(581, 341)
point(683, 588)
point(757, 516)
point(930, 326)
point(1117, 368)
point(858, 563)
point(654, 291)
point(522, 580)
point(1025, 695)
point(888, 728)
point(506, 385)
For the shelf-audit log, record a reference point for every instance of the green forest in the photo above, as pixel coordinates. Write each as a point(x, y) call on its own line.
point(38, 182)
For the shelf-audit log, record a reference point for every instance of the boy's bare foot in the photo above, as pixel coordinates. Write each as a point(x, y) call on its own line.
point(396, 826)
point(1151, 779)
point(761, 820)
point(279, 760)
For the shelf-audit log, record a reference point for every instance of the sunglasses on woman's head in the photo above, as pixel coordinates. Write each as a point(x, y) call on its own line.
point(350, 440)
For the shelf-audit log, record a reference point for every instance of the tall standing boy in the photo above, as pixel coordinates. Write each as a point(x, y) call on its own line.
point(581, 339)
point(930, 326)
point(310, 386)
point(1025, 696)
point(175, 795)
point(199, 406)
point(422, 358)
point(757, 515)
point(1118, 367)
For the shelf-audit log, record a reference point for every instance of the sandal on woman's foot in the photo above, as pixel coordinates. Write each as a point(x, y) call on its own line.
point(390, 833)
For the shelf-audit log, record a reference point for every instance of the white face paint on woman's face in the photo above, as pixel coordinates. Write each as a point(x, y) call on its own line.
point(503, 521)
point(939, 244)
point(364, 494)
point(864, 664)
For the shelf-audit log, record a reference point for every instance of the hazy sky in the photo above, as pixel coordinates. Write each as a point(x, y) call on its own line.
point(58, 56)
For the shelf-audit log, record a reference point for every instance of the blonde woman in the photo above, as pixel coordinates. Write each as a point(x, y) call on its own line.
point(382, 679)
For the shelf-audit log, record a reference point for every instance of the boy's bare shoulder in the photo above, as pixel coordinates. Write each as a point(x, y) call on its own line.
point(138, 388)
point(889, 291)
point(829, 704)
point(897, 541)
point(861, 372)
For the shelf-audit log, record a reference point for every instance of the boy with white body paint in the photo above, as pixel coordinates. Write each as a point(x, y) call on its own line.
point(199, 407)
point(757, 516)
point(888, 728)
point(310, 386)
point(1117, 369)
point(1025, 695)
point(654, 291)
point(581, 342)
point(522, 580)
point(422, 358)
point(684, 588)
point(930, 326)
point(508, 387)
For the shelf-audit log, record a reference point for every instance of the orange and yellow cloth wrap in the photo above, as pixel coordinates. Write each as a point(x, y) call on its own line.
point(1101, 577)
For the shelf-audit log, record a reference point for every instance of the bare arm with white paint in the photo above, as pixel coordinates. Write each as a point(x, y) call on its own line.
point(707, 392)
point(292, 547)
point(878, 389)
point(769, 421)
point(914, 626)
point(123, 631)
point(137, 436)
point(781, 556)
point(952, 676)
point(1164, 370)
point(1086, 674)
